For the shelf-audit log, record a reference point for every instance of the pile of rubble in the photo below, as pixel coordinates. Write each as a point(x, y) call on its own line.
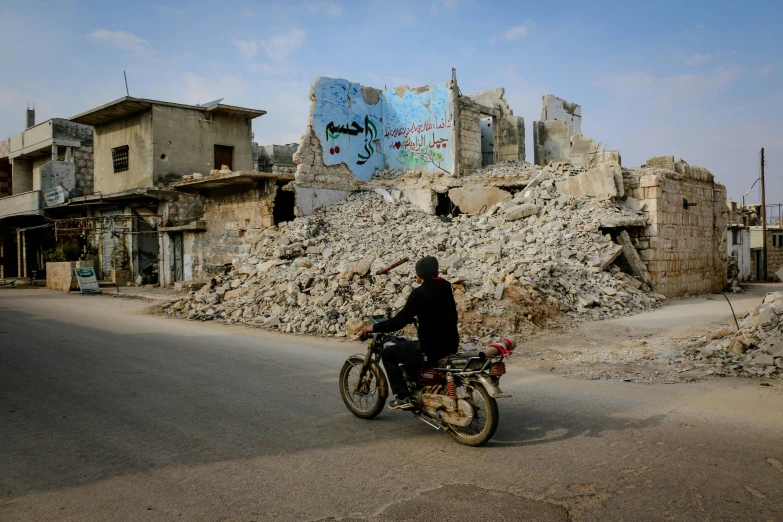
point(527, 260)
point(755, 350)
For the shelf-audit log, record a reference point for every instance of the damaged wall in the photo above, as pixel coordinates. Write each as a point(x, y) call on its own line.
point(508, 131)
point(355, 130)
point(234, 221)
point(558, 137)
point(684, 244)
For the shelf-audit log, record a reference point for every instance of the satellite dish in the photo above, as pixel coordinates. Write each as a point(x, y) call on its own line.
point(210, 104)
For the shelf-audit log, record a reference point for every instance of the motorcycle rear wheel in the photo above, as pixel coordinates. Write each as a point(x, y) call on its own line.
point(485, 416)
point(367, 403)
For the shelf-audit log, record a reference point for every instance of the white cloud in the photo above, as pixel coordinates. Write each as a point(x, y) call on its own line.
point(671, 89)
point(279, 48)
point(515, 33)
point(247, 48)
point(468, 50)
point(330, 9)
point(167, 9)
point(698, 59)
point(448, 4)
point(122, 40)
point(764, 70)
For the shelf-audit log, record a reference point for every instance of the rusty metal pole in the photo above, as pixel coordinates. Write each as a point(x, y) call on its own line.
point(18, 253)
point(24, 253)
point(763, 220)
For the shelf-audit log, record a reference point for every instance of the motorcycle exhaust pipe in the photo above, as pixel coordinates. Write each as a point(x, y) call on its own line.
point(429, 423)
point(502, 347)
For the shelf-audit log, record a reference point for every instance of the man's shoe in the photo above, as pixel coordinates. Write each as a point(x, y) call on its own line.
point(401, 404)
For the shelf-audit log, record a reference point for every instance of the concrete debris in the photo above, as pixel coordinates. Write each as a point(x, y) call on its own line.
point(529, 260)
point(756, 350)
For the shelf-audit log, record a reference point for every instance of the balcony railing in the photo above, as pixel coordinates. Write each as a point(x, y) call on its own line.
point(26, 203)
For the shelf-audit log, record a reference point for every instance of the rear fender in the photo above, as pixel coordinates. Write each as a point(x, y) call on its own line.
point(489, 384)
point(383, 384)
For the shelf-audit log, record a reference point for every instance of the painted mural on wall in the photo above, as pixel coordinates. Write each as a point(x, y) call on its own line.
point(414, 130)
point(418, 129)
point(347, 126)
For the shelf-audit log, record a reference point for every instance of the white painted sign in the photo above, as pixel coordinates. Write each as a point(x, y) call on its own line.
point(88, 283)
point(55, 196)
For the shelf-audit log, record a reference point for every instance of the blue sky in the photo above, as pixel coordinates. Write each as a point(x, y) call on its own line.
point(699, 80)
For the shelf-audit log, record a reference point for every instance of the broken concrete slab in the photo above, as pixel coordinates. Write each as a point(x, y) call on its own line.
point(520, 211)
point(601, 182)
point(609, 257)
point(632, 256)
point(473, 200)
point(423, 199)
point(309, 199)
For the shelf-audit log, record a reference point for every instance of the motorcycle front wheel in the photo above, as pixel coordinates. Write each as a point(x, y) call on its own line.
point(485, 416)
point(365, 401)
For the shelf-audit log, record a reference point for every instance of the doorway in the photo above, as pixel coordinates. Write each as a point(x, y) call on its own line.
point(487, 141)
point(179, 265)
point(224, 155)
point(283, 209)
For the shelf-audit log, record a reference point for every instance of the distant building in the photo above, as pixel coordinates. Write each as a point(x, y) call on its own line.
point(42, 166)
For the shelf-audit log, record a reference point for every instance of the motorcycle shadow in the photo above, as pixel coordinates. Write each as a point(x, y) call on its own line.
point(526, 427)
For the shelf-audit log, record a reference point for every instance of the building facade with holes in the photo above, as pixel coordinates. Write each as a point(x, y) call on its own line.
point(237, 208)
point(141, 148)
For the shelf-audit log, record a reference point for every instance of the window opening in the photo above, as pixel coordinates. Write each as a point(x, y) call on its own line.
point(487, 141)
point(119, 156)
point(224, 155)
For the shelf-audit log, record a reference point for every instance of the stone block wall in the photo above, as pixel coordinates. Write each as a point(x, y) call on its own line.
point(234, 222)
point(85, 175)
point(774, 256)
point(469, 138)
point(685, 250)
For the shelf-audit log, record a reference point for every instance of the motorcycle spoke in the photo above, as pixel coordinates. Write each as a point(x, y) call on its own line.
point(367, 395)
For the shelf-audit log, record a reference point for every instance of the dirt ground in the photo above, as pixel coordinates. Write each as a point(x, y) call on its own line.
point(645, 348)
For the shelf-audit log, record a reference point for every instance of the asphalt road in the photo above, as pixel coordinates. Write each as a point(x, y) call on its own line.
point(107, 413)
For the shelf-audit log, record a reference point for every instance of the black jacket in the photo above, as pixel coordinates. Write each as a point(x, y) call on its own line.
point(433, 304)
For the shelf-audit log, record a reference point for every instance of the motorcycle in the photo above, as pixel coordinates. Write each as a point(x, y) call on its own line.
point(457, 396)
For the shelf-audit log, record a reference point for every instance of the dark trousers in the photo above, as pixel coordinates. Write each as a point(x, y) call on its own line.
point(408, 354)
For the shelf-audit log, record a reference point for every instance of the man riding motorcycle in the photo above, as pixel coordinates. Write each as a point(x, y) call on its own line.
point(432, 303)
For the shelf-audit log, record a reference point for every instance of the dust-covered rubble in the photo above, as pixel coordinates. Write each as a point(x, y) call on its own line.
point(756, 350)
point(534, 258)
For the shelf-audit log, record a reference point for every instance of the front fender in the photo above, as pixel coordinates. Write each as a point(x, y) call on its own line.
point(383, 384)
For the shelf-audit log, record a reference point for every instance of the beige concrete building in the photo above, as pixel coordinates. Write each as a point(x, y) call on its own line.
point(148, 143)
point(774, 252)
point(141, 147)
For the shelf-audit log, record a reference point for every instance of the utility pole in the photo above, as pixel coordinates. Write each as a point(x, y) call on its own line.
point(763, 220)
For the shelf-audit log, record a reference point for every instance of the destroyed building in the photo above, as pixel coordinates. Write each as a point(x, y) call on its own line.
point(237, 208)
point(355, 131)
point(384, 176)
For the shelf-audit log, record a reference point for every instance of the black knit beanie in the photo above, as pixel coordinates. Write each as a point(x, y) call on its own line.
point(427, 267)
